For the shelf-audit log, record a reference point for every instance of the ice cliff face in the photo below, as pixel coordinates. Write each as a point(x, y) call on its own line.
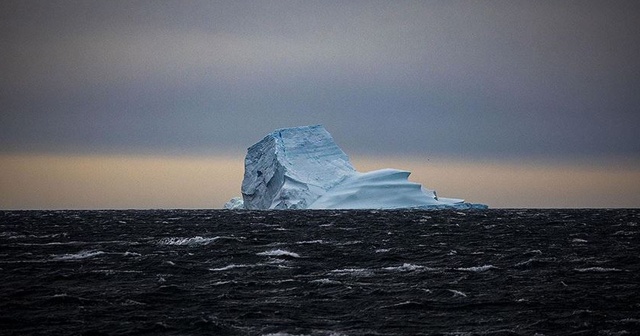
point(292, 167)
point(303, 168)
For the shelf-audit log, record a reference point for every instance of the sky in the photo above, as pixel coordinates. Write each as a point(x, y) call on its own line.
point(152, 104)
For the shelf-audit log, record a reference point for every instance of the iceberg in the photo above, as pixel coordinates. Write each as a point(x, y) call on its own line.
point(303, 168)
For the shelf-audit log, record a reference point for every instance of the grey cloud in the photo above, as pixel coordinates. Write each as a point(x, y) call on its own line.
point(498, 78)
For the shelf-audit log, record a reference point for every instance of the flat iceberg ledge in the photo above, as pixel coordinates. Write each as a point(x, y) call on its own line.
point(303, 168)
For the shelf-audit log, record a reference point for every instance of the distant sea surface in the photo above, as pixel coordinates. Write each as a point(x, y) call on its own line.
point(220, 272)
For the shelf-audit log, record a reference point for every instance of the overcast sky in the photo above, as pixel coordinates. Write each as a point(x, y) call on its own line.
point(457, 78)
point(522, 103)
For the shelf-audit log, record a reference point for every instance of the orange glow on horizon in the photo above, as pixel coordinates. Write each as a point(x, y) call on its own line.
point(522, 185)
point(117, 182)
point(148, 182)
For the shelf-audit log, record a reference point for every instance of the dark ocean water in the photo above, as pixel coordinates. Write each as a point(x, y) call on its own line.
point(217, 272)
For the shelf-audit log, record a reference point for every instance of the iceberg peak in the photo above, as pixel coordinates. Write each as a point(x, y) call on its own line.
point(303, 168)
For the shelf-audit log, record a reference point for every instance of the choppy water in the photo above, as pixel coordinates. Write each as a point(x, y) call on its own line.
point(215, 272)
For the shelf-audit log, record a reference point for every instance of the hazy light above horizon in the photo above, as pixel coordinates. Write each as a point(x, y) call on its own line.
point(151, 182)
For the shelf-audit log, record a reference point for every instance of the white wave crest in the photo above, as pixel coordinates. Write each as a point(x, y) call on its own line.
point(197, 240)
point(131, 254)
point(457, 293)
point(351, 242)
point(325, 281)
point(476, 268)
point(79, 255)
point(597, 269)
point(319, 241)
point(327, 333)
point(228, 267)
point(525, 263)
point(278, 252)
point(404, 268)
point(276, 261)
point(353, 271)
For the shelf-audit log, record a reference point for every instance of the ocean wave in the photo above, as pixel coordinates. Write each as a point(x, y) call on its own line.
point(525, 263)
point(276, 261)
point(325, 281)
point(597, 269)
point(116, 242)
point(131, 254)
point(476, 268)
point(79, 255)
point(315, 332)
point(278, 252)
point(178, 241)
point(231, 266)
point(319, 241)
point(384, 284)
point(353, 271)
point(351, 242)
point(112, 272)
point(457, 293)
point(406, 267)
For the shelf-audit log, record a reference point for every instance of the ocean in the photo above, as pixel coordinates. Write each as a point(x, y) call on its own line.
point(325, 272)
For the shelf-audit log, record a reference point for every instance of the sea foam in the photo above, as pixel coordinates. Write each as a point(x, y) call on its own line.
point(197, 240)
point(79, 255)
point(278, 252)
point(476, 268)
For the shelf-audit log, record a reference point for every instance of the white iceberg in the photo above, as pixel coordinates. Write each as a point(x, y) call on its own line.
point(303, 168)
